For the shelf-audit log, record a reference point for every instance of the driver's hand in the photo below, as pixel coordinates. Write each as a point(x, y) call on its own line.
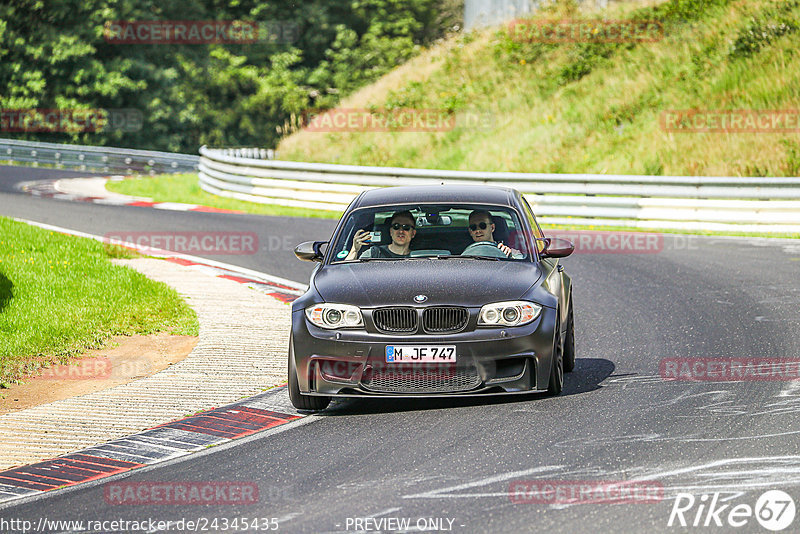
point(360, 239)
point(505, 248)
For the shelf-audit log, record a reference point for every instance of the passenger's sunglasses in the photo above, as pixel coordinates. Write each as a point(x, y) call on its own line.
point(481, 225)
point(406, 227)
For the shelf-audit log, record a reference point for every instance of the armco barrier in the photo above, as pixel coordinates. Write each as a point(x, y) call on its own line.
point(96, 158)
point(769, 205)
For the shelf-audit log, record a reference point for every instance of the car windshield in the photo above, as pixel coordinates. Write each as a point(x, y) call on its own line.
point(431, 231)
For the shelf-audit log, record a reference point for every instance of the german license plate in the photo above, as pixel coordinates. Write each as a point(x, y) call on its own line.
point(420, 353)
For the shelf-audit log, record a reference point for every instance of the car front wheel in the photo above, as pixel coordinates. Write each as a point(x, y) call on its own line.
point(300, 401)
point(557, 367)
point(569, 344)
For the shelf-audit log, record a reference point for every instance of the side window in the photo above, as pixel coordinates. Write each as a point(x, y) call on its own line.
point(537, 232)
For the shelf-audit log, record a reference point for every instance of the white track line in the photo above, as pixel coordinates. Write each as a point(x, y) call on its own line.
point(257, 275)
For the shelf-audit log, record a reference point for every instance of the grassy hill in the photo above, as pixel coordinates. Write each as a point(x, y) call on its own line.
point(591, 107)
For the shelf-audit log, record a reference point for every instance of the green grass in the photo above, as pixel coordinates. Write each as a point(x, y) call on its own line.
point(591, 107)
point(184, 188)
point(60, 295)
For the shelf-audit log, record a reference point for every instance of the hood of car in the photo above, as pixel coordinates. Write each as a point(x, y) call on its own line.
point(465, 282)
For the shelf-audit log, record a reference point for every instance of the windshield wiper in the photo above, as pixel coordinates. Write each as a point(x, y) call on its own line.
point(443, 257)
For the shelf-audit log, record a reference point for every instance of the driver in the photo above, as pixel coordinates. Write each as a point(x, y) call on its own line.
point(481, 229)
point(402, 229)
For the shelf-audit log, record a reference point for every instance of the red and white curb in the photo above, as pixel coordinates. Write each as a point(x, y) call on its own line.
point(93, 190)
point(171, 440)
point(274, 286)
point(162, 443)
point(51, 189)
point(274, 289)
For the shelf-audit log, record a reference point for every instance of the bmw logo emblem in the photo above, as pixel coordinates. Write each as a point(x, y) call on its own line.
point(420, 299)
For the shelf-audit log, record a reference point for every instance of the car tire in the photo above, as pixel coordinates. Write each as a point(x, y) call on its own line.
point(300, 401)
point(569, 343)
point(556, 383)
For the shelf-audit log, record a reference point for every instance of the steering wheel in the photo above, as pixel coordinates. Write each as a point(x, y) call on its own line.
point(484, 248)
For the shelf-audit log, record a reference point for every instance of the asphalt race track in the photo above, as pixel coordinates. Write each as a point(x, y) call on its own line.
point(277, 236)
point(454, 460)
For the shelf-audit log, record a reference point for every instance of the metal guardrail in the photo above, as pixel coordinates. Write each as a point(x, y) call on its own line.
point(668, 202)
point(96, 159)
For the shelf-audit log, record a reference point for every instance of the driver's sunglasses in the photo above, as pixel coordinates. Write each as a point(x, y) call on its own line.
point(481, 225)
point(406, 227)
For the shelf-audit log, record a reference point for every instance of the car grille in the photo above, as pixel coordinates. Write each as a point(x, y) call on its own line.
point(422, 380)
point(435, 320)
point(442, 320)
point(395, 319)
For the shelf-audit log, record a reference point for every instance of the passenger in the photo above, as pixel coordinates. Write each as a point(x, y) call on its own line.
point(402, 230)
point(481, 229)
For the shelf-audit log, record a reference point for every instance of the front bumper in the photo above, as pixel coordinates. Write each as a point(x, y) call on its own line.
point(489, 361)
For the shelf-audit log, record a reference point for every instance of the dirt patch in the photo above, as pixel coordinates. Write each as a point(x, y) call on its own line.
point(128, 358)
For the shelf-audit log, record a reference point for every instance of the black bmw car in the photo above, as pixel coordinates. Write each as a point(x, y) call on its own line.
point(432, 291)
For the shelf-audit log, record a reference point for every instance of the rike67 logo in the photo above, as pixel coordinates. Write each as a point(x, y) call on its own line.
point(774, 510)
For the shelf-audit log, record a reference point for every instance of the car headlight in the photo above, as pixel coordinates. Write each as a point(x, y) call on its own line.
point(513, 313)
point(335, 315)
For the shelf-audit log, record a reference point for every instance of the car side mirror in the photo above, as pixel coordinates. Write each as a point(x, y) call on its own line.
point(309, 251)
point(555, 247)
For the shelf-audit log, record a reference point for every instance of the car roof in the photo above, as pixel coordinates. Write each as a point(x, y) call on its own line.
point(473, 194)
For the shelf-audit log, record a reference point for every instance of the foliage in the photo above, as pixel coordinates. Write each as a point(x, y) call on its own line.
point(591, 106)
point(792, 164)
point(55, 55)
point(761, 30)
